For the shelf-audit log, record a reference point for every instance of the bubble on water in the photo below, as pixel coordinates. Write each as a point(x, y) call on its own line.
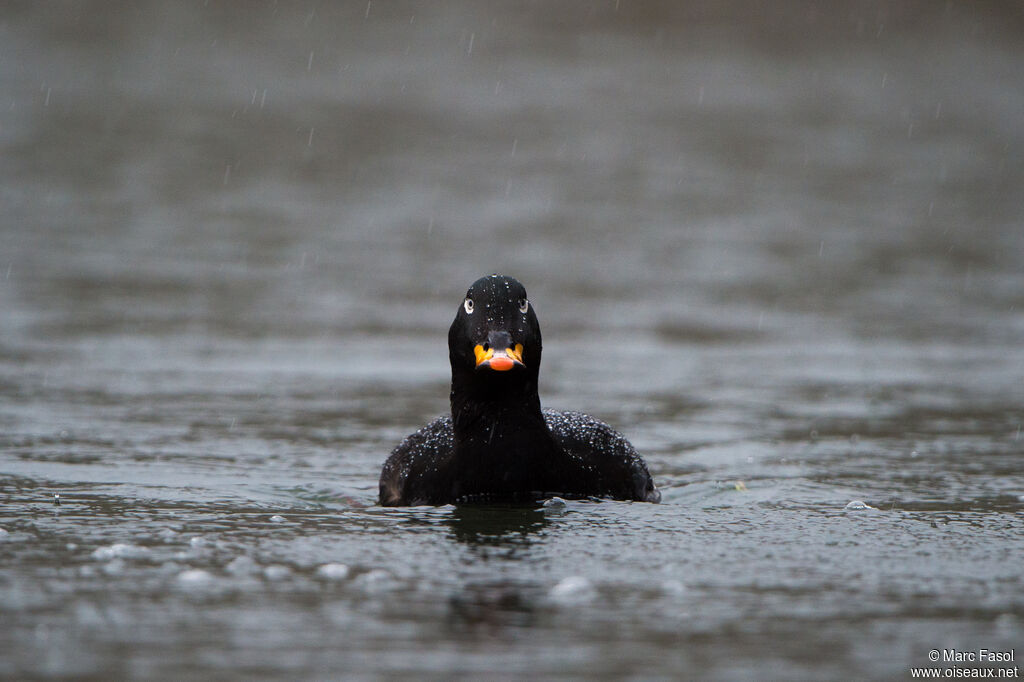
point(673, 588)
point(1006, 624)
point(858, 505)
point(276, 572)
point(376, 580)
point(114, 567)
point(277, 518)
point(119, 550)
point(195, 576)
point(241, 565)
point(4, 534)
point(197, 542)
point(573, 589)
point(169, 568)
point(555, 503)
point(333, 571)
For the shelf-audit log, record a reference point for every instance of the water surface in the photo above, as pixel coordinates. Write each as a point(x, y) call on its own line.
point(779, 248)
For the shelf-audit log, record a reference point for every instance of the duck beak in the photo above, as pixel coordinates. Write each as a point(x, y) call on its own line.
point(498, 353)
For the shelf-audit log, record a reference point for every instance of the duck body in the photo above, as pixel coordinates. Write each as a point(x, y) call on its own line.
point(498, 445)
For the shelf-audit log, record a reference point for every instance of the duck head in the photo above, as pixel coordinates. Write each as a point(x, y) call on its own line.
point(494, 343)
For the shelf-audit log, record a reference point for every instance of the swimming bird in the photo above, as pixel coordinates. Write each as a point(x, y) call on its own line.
point(498, 445)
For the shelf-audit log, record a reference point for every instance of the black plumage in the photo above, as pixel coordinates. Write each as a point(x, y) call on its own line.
point(498, 445)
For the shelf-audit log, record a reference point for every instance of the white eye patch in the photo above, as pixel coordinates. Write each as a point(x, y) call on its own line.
point(468, 305)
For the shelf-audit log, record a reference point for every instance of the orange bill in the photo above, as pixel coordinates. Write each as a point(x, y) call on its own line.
point(498, 359)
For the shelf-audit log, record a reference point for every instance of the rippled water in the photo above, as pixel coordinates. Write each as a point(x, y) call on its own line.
point(780, 249)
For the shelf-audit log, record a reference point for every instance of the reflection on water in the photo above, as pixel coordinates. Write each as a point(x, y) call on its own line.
point(778, 246)
point(493, 610)
point(496, 526)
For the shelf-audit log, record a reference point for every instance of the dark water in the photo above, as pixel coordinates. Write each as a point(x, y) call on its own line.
point(780, 246)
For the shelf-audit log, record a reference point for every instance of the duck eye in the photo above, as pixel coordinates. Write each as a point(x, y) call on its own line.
point(524, 305)
point(468, 305)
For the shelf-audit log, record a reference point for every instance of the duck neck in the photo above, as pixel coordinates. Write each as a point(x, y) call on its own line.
point(502, 443)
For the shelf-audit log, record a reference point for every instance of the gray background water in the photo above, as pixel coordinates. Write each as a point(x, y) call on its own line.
point(778, 245)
